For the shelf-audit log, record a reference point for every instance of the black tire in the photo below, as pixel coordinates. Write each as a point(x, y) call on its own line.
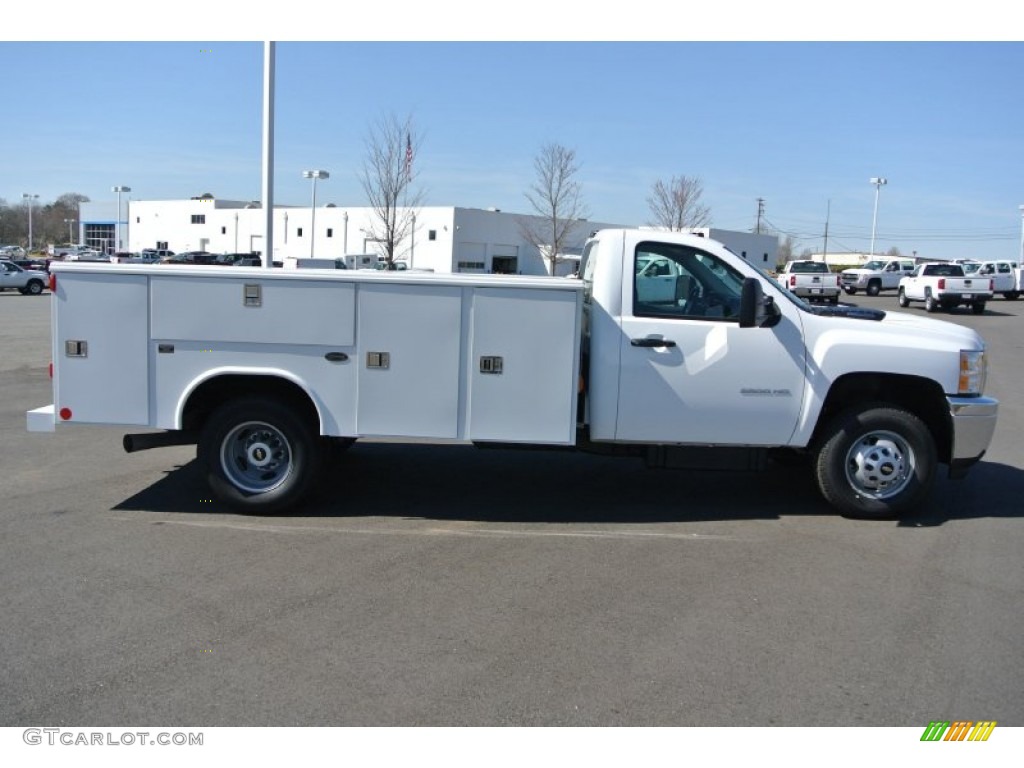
point(1011, 295)
point(833, 299)
point(874, 288)
point(260, 456)
point(978, 308)
point(930, 304)
point(875, 462)
point(850, 291)
point(34, 287)
point(902, 298)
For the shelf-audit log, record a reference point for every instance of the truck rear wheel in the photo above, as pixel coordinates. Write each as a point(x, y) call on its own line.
point(1011, 295)
point(978, 308)
point(875, 462)
point(930, 304)
point(260, 456)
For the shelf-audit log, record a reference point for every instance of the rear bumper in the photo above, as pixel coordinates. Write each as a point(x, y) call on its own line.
point(958, 298)
point(974, 422)
point(41, 419)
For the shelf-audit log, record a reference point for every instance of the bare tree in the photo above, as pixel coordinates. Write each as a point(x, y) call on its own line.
point(676, 205)
point(387, 178)
point(556, 198)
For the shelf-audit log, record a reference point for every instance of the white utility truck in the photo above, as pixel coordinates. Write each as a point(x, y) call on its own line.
point(265, 369)
point(1007, 277)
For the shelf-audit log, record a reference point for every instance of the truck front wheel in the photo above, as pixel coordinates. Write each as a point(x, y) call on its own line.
point(902, 298)
point(874, 287)
point(259, 455)
point(875, 462)
point(34, 287)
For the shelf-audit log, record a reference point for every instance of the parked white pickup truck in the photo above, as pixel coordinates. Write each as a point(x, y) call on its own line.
point(876, 276)
point(810, 280)
point(262, 367)
point(944, 285)
point(1007, 277)
point(25, 281)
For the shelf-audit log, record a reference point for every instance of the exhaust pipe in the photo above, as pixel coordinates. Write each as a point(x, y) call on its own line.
point(147, 440)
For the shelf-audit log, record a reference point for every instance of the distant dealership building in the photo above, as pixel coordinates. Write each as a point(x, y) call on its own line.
point(442, 239)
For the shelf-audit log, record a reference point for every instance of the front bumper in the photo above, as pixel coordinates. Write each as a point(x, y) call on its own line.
point(974, 422)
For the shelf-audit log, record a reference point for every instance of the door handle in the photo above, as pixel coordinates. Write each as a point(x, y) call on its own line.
point(652, 342)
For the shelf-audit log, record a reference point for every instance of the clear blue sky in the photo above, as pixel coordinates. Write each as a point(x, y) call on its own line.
point(803, 125)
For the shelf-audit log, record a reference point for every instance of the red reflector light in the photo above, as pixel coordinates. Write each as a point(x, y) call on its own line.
point(51, 370)
point(65, 413)
point(792, 281)
point(53, 283)
point(942, 283)
point(991, 285)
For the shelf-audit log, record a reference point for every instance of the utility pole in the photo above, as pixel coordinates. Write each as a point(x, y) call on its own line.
point(760, 213)
point(824, 249)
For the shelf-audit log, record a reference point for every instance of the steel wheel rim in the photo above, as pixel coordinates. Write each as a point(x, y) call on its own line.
point(256, 457)
point(880, 464)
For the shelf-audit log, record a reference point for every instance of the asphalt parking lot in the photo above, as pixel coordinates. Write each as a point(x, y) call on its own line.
point(440, 585)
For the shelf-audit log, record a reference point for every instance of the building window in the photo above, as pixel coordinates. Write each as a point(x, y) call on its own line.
point(431, 234)
point(198, 218)
point(298, 232)
point(138, 220)
point(766, 258)
point(471, 265)
point(330, 232)
point(743, 254)
point(223, 230)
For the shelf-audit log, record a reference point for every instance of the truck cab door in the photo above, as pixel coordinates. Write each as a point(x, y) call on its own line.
point(688, 373)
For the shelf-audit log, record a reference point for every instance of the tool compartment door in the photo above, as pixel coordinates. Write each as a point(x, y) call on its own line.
point(101, 365)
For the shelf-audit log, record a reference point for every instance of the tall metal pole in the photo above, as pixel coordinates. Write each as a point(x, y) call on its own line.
point(878, 181)
point(1021, 259)
point(117, 224)
point(828, 215)
point(71, 237)
point(268, 154)
point(314, 175)
point(30, 198)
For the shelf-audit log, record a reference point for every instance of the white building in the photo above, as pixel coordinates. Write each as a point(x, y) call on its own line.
point(760, 250)
point(443, 238)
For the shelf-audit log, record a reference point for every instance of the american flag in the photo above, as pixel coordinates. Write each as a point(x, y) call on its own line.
point(408, 156)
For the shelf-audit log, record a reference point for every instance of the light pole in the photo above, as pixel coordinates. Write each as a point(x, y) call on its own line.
point(314, 175)
point(71, 237)
point(117, 234)
point(29, 198)
point(1021, 260)
point(879, 182)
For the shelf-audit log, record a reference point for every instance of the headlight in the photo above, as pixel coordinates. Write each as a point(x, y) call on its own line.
point(973, 370)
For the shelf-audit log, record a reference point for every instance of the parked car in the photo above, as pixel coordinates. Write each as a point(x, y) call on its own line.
point(26, 281)
point(810, 280)
point(12, 252)
point(143, 258)
point(191, 257)
point(237, 259)
point(31, 264)
point(152, 255)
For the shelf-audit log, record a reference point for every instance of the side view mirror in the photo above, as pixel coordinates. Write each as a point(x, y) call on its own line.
point(756, 309)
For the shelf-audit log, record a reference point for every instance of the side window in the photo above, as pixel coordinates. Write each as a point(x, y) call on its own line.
point(678, 281)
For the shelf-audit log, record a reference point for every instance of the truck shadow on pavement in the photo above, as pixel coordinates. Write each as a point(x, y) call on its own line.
point(461, 483)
